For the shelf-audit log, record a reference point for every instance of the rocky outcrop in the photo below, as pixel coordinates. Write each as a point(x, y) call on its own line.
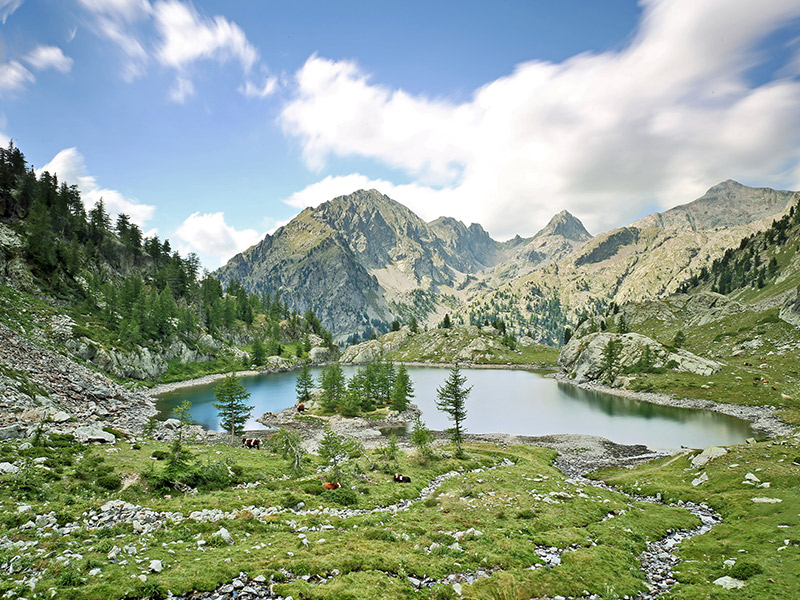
point(582, 358)
point(38, 386)
point(790, 311)
point(376, 349)
point(141, 362)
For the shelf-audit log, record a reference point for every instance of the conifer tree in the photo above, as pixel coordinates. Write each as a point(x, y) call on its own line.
point(402, 390)
point(230, 405)
point(451, 399)
point(304, 384)
point(259, 352)
point(333, 386)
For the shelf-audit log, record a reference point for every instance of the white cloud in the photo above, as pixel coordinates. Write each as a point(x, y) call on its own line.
point(252, 90)
point(604, 135)
point(175, 35)
point(7, 7)
point(49, 57)
point(14, 77)
point(181, 90)
point(212, 239)
point(69, 166)
point(187, 37)
point(117, 20)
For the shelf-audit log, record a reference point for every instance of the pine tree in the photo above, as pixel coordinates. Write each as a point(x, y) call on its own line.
point(230, 405)
point(259, 352)
point(304, 384)
point(413, 325)
point(402, 390)
point(451, 399)
point(333, 386)
point(610, 359)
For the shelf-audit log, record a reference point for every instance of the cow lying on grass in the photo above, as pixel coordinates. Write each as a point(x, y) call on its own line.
point(331, 485)
point(398, 478)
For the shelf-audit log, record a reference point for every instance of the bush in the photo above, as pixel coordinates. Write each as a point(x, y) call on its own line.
point(111, 482)
point(147, 589)
point(160, 454)
point(380, 534)
point(69, 577)
point(312, 487)
point(342, 496)
point(745, 570)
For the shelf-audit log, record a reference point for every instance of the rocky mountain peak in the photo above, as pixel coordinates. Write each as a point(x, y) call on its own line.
point(727, 204)
point(566, 225)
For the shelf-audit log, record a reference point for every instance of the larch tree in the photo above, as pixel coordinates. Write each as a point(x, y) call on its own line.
point(231, 406)
point(452, 399)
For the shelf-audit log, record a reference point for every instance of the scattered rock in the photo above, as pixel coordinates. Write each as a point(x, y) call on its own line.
point(156, 566)
point(763, 500)
point(700, 480)
point(8, 468)
point(707, 455)
point(729, 583)
point(224, 534)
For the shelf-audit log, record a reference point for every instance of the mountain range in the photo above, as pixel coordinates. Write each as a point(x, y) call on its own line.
point(364, 260)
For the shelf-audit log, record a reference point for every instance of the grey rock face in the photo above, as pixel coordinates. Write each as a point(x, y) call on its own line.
point(582, 358)
point(790, 312)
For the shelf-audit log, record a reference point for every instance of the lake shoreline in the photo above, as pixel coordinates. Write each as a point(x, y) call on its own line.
point(761, 418)
point(164, 388)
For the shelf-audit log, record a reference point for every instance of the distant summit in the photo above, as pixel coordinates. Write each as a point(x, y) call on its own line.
point(727, 204)
point(567, 226)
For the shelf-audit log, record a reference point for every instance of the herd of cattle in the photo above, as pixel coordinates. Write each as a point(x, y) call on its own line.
point(255, 444)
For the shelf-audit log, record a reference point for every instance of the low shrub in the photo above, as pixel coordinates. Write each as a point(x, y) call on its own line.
point(342, 496)
point(745, 570)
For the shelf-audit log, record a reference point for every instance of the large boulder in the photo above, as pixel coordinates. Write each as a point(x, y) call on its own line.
point(93, 433)
point(582, 358)
point(319, 354)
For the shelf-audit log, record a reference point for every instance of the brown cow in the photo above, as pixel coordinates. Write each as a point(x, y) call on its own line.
point(301, 407)
point(331, 485)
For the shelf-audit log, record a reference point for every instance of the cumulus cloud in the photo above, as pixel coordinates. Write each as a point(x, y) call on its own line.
point(212, 239)
point(7, 7)
point(605, 135)
point(14, 77)
point(49, 57)
point(69, 166)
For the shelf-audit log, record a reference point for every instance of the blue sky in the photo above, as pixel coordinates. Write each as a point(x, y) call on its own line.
point(211, 123)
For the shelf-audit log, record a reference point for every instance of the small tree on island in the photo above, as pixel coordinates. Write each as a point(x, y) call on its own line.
point(333, 387)
point(230, 405)
point(452, 398)
point(304, 384)
point(402, 390)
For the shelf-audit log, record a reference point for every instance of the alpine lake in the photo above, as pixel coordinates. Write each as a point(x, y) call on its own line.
point(504, 401)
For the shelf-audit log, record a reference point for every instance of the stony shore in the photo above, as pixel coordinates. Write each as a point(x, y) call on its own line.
point(762, 418)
